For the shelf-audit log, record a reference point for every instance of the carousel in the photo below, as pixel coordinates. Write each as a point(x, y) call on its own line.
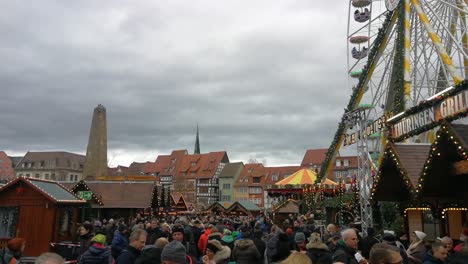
point(300, 188)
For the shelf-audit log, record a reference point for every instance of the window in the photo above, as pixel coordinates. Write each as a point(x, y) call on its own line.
point(346, 163)
point(173, 160)
point(256, 180)
point(255, 190)
point(182, 174)
point(7, 214)
point(192, 173)
point(193, 164)
point(53, 177)
point(338, 163)
point(46, 176)
point(42, 164)
point(226, 186)
point(37, 175)
point(226, 198)
point(249, 170)
point(274, 176)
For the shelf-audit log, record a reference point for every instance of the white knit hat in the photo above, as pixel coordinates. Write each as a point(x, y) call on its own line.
point(420, 235)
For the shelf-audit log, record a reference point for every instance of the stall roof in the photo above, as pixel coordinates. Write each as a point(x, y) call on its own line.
point(51, 189)
point(412, 157)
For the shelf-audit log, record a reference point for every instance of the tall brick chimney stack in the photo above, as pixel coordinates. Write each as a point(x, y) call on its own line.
point(96, 153)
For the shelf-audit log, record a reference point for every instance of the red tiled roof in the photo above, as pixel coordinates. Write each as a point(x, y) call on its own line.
point(280, 171)
point(353, 162)
point(314, 156)
point(165, 164)
point(201, 166)
point(249, 172)
point(115, 171)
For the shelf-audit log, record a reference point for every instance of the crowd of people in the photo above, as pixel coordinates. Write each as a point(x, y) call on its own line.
point(214, 239)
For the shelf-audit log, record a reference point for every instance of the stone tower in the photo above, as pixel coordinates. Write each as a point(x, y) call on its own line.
point(96, 153)
point(197, 143)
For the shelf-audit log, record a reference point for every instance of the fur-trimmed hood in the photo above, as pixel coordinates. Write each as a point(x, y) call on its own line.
point(244, 243)
point(222, 255)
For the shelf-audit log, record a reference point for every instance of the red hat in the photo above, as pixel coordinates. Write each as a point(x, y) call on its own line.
point(15, 244)
point(289, 231)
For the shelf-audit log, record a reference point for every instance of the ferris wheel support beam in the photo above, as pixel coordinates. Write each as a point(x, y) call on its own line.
point(407, 55)
point(465, 35)
point(436, 41)
point(360, 89)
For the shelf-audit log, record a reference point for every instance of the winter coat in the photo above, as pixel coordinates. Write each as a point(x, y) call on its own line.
point(261, 247)
point(153, 235)
point(85, 242)
point(344, 254)
point(150, 255)
point(128, 256)
point(203, 241)
point(283, 248)
point(96, 254)
point(119, 243)
point(366, 244)
point(7, 256)
point(416, 252)
point(245, 252)
point(429, 259)
point(320, 254)
point(222, 256)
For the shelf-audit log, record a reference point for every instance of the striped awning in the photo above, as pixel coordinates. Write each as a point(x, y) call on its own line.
point(300, 177)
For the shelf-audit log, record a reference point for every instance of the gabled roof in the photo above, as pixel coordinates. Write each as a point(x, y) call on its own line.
point(223, 205)
point(123, 194)
point(201, 166)
point(61, 158)
point(412, 158)
point(231, 170)
point(82, 186)
point(166, 164)
point(314, 156)
point(461, 132)
point(246, 205)
point(289, 206)
point(397, 176)
point(136, 168)
point(249, 172)
point(282, 173)
point(117, 171)
point(50, 189)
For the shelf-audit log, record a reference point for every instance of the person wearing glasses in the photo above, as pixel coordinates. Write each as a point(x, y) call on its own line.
point(383, 253)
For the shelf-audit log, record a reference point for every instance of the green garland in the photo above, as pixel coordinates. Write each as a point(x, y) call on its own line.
point(396, 88)
point(353, 101)
point(427, 104)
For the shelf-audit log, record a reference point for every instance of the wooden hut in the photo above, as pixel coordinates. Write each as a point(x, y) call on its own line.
point(397, 179)
point(243, 208)
point(219, 207)
point(117, 199)
point(444, 179)
point(281, 211)
point(40, 211)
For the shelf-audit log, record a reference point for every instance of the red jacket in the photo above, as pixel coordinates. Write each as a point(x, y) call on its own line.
point(203, 241)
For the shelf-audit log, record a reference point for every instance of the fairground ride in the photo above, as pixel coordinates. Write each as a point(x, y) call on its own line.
point(400, 53)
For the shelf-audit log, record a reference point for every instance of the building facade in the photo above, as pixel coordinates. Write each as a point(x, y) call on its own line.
point(54, 165)
point(274, 175)
point(6, 168)
point(227, 179)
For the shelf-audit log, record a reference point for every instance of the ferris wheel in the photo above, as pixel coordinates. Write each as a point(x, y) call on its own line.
point(400, 52)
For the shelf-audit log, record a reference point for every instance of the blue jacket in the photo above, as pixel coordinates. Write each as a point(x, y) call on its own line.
point(96, 254)
point(119, 243)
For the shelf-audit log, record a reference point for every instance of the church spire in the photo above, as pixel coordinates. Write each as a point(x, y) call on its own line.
point(197, 143)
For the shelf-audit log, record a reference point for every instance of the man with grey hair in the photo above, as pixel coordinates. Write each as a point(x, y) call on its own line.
point(448, 242)
point(49, 258)
point(346, 248)
point(133, 251)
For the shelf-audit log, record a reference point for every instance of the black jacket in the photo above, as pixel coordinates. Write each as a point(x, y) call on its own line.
point(344, 254)
point(96, 254)
point(128, 256)
point(320, 256)
point(245, 252)
point(153, 235)
point(150, 255)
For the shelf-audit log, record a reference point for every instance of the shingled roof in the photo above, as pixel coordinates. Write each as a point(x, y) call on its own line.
point(314, 157)
point(123, 194)
point(461, 131)
point(50, 189)
point(412, 158)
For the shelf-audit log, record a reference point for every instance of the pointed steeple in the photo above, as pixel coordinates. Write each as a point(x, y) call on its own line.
point(197, 143)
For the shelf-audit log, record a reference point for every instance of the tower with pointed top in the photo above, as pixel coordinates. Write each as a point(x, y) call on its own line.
point(96, 153)
point(197, 143)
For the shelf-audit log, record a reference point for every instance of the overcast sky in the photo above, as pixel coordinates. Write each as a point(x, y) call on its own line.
point(264, 80)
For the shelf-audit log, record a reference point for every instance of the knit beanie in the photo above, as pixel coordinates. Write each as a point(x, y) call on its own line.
point(299, 237)
point(100, 239)
point(420, 235)
point(174, 252)
point(177, 228)
point(15, 244)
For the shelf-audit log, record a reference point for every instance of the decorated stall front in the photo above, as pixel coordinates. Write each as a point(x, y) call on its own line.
point(40, 211)
point(243, 208)
point(282, 211)
point(219, 207)
point(444, 180)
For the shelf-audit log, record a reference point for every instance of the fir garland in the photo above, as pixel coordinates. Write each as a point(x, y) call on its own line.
point(355, 95)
